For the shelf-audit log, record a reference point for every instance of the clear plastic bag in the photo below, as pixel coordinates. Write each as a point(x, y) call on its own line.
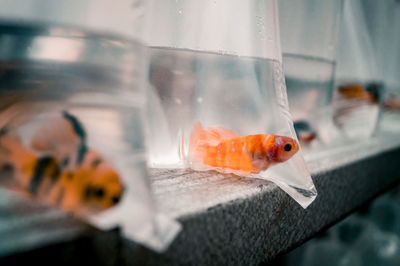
point(383, 20)
point(217, 81)
point(358, 77)
point(71, 117)
point(309, 33)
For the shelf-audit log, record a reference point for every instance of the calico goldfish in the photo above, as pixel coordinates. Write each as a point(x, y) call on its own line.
point(87, 182)
point(224, 149)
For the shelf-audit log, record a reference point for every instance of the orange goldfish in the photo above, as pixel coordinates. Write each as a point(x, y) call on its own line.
point(222, 148)
point(392, 102)
point(77, 178)
point(370, 93)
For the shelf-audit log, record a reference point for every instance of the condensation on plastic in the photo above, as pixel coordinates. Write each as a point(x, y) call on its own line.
point(207, 26)
point(219, 63)
point(309, 34)
point(98, 78)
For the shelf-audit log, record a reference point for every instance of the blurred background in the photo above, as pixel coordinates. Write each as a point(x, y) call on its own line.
point(370, 236)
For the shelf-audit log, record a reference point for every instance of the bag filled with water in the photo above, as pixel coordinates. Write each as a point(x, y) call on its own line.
point(217, 94)
point(71, 125)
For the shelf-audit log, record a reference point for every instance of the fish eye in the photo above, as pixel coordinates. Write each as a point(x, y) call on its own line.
point(99, 192)
point(96, 162)
point(115, 199)
point(288, 147)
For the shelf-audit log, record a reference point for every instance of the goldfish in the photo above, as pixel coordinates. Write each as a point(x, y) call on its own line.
point(222, 148)
point(47, 171)
point(305, 133)
point(370, 94)
point(392, 102)
point(63, 137)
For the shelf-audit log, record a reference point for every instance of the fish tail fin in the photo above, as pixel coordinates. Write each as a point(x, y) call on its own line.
point(202, 139)
point(5, 154)
point(198, 143)
point(65, 132)
point(77, 126)
point(12, 150)
point(63, 138)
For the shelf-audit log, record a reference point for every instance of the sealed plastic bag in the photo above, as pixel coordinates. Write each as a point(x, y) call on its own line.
point(309, 32)
point(383, 20)
point(358, 77)
point(71, 106)
point(216, 79)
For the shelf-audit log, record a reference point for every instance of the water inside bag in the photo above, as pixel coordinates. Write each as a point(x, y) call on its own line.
point(246, 95)
point(309, 83)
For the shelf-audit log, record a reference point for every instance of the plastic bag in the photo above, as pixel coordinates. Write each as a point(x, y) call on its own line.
point(71, 116)
point(218, 81)
point(358, 77)
point(309, 32)
point(383, 20)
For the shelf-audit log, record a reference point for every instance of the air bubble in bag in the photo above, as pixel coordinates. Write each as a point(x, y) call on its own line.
point(215, 79)
point(71, 113)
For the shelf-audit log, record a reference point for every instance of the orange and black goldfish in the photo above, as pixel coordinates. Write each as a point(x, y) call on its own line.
point(75, 178)
point(370, 93)
point(224, 149)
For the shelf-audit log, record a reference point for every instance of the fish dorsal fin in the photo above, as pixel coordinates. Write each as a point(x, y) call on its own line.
point(201, 137)
point(76, 125)
point(219, 134)
point(211, 135)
